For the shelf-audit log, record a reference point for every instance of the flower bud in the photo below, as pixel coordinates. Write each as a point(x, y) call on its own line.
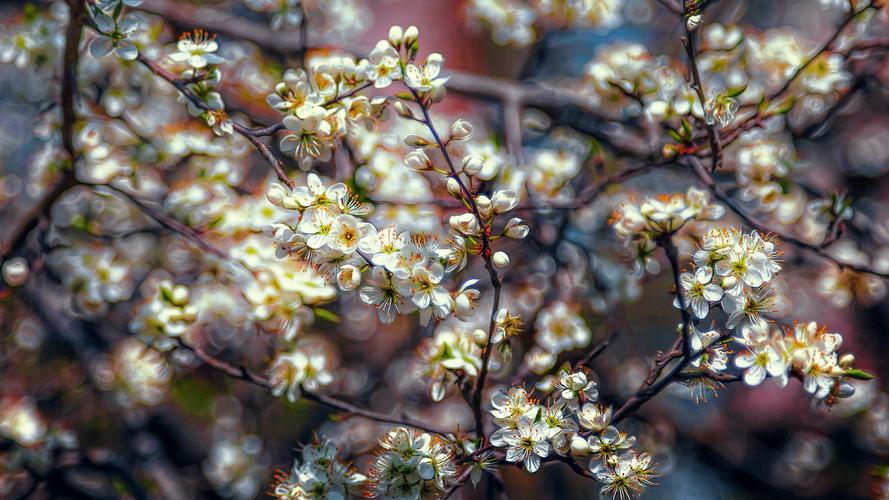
point(504, 201)
point(464, 224)
point(16, 271)
point(479, 336)
point(500, 259)
point(846, 361)
point(472, 164)
point(579, 446)
point(179, 295)
point(396, 36)
point(403, 110)
point(484, 205)
point(454, 187)
point(418, 160)
point(669, 150)
point(348, 278)
point(411, 35)
point(416, 141)
point(276, 194)
point(461, 130)
point(515, 229)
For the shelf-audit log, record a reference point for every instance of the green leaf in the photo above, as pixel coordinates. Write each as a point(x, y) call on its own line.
point(326, 315)
point(687, 131)
point(735, 91)
point(858, 374)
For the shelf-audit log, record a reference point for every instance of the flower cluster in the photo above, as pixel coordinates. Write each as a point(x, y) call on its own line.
point(512, 22)
point(325, 20)
point(639, 226)
point(411, 464)
point(166, 316)
point(806, 351)
point(96, 276)
point(570, 425)
point(323, 104)
point(322, 474)
point(732, 269)
point(198, 50)
point(137, 374)
point(405, 271)
point(305, 367)
point(558, 329)
point(453, 353)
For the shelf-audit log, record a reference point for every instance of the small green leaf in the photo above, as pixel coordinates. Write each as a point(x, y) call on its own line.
point(326, 315)
point(736, 91)
point(858, 374)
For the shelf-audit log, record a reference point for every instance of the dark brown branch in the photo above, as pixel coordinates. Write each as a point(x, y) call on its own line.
point(762, 227)
point(242, 373)
point(70, 60)
point(715, 147)
point(246, 132)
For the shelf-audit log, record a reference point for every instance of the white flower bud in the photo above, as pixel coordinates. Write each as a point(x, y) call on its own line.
point(15, 271)
point(396, 36)
point(276, 194)
point(500, 259)
point(179, 295)
point(454, 187)
point(504, 201)
point(484, 205)
point(846, 360)
point(479, 336)
point(280, 196)
point(416, 141)
point(417, 160)
point(515, 229)
point(348, 278)
point(465, 223)
point(403, 110)
point(579, 446)
point(411, 34)
point(472, 165)
point(461, 130)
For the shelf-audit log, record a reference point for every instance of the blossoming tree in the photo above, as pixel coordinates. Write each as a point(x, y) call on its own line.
point(239, 228)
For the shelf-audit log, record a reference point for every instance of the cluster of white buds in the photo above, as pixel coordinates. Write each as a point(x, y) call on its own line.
point(807, 352)
point(197, 49)
point(732, 269)
point(639, 226)
point(167, 315)
point(304, 367)
point(469, 231)
point(322, 474)
point(411, 464)
point(572, 425)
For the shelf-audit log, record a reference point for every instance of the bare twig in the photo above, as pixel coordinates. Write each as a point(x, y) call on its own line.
point(242, 373)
